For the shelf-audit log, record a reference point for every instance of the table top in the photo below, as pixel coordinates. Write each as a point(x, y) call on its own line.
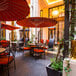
point(33, 44)
point(2, 50)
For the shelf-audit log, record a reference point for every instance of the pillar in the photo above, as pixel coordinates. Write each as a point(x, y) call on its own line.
point(34, 12)
point(12, 32)
point(72, 67)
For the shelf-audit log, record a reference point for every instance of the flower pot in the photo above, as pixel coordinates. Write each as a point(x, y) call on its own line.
point(52, 72)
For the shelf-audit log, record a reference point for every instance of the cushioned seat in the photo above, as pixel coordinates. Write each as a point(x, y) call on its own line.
point(27, 48)
point(47, 42)
point(4, 45)
point(45, 48)
point(33, 46)
point(4, 54)
point(4, 60)
point(42, 41)
point(58, 42)
point(38, 50)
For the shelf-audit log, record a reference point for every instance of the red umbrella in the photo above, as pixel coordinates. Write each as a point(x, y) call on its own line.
point(37, 22)
point(8, 27)
point(11, 10)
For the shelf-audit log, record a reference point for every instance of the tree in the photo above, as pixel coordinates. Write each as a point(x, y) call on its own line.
point(66, 29)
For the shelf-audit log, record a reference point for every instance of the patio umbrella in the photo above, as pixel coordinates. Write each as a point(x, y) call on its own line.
point(8, 27)
point(37, 22)
point(11, 10)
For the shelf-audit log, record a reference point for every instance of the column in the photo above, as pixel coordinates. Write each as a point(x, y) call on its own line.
point(12, 32)
point(72, 66)
point(34, 12)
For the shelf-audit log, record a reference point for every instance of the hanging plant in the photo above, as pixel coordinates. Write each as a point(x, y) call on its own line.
point(67, 69)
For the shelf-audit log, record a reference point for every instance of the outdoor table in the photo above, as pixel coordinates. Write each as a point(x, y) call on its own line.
point(2, 50)
point(36, 46)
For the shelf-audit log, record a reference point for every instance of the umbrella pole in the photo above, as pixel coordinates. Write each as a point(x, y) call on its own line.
point(36, 35)
point(24, 35)
point(0, 30)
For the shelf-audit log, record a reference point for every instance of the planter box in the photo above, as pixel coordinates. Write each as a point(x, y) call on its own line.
point(52, 72)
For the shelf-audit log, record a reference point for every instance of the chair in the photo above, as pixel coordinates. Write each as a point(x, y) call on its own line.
point(26, 47)
point(42, 41)
point(51, 44)
point(39, 52)
point(6, 60)
point(4, 44)
point(47, 42)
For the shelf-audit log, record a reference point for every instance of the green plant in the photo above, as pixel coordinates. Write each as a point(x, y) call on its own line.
point(67, 69)
point(29, 42)
point(15, 39)
point(57, 65)
point(3, 38)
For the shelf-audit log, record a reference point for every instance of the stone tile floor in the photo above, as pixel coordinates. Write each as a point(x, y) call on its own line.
point(27, 65)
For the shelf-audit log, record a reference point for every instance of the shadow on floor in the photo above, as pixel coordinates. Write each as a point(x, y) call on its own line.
point(27, 65)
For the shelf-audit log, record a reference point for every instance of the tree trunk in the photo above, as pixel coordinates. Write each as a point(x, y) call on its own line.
point(66, 29)
point(73, 18)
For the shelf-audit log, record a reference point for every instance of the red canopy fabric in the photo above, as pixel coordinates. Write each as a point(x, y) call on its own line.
point(37, 22)
point(11, 10)
point(8, 27)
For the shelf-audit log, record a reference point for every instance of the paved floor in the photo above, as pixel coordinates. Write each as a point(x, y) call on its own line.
point(27, 65)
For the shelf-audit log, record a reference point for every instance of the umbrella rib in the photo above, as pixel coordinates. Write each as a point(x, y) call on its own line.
point(15, 3)
point(4, 15)
point(19, 8)
point(3, 6)
point(12, 14)
point(18, 13)
point(13, 10)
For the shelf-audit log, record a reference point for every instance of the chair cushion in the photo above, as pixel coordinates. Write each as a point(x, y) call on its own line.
point(4, 60)
point(4, 45)
point(27, 48)
point(3, 54)
point(42, 41)
point(58, 42)
point(33, 46)
point(38, 50)
point(45, 48)
point(47, 42)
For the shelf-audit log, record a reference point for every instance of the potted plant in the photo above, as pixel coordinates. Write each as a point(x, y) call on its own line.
point(55, 68)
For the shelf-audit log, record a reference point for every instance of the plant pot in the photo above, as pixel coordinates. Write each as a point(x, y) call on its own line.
point(52, 72)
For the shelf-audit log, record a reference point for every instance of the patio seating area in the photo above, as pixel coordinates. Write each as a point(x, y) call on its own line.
point(37, 37)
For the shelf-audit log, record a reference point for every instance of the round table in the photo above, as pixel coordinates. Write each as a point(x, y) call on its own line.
point(2, 50)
